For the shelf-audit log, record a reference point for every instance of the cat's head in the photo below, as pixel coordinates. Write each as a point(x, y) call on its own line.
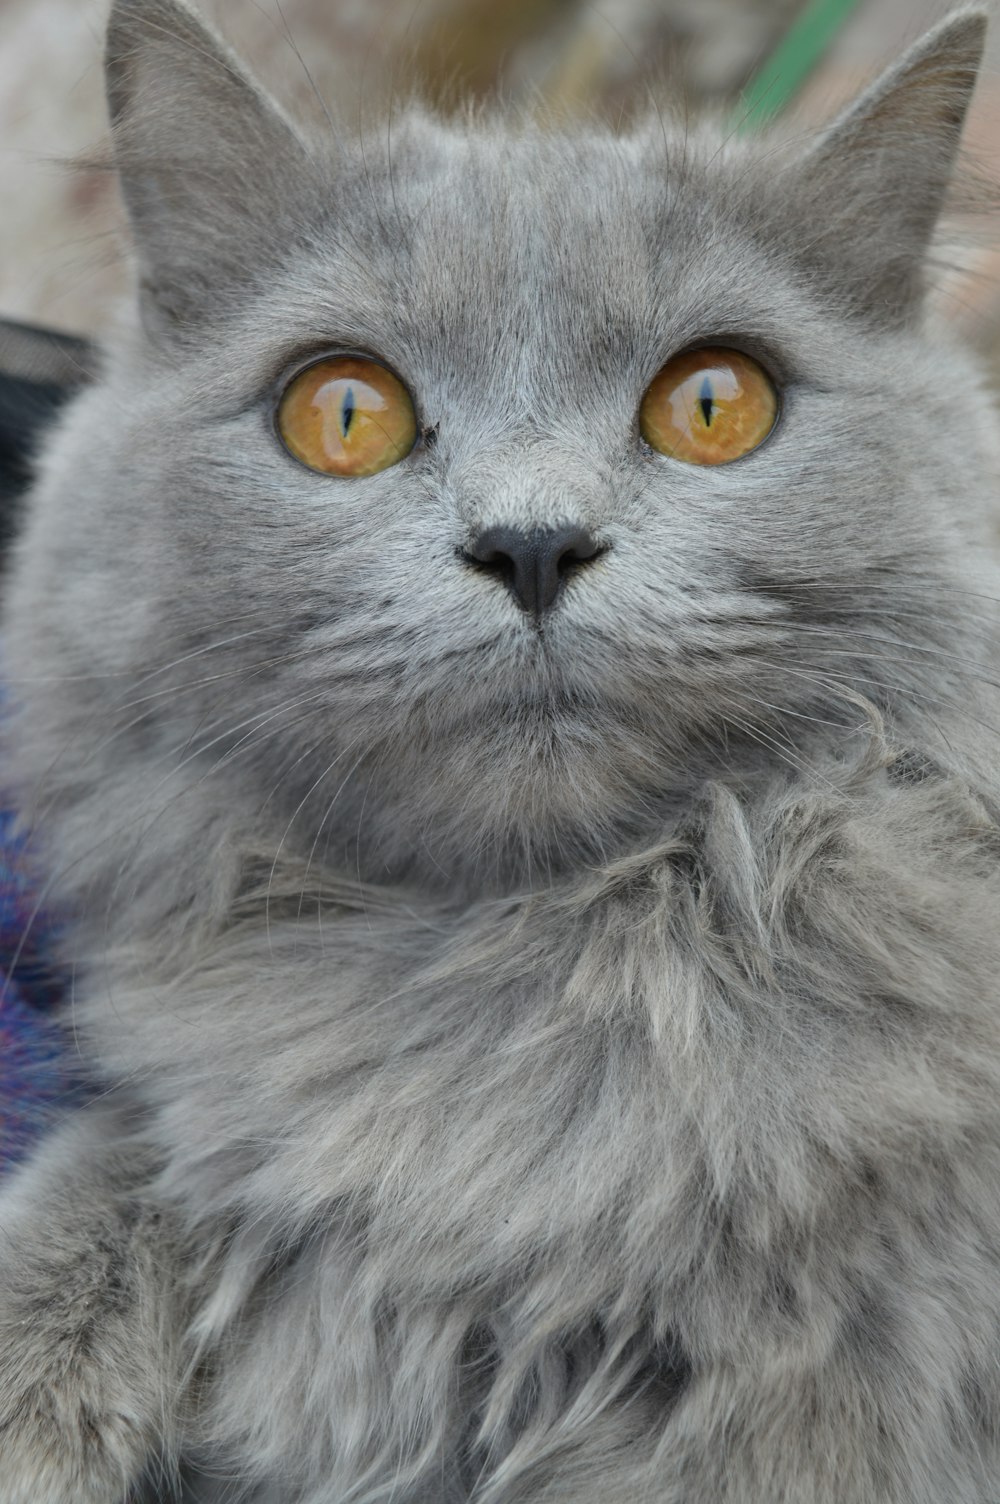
point(545, 620)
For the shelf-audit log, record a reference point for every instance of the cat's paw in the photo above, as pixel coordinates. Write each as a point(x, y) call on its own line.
point(79, 1397)
point(85, 1323)
point(62, 1444)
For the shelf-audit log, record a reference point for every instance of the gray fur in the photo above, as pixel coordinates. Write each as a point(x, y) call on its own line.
point(539, 1066)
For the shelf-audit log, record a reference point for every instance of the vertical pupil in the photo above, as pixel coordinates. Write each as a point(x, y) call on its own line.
point(347, 411)
point(706, 401)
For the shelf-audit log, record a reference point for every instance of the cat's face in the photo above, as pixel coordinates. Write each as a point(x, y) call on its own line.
point(369, 678)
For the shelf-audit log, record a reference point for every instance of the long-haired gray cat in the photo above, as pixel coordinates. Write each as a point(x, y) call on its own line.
point(503, 661)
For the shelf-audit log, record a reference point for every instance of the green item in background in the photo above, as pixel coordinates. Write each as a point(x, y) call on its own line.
point(788, 67)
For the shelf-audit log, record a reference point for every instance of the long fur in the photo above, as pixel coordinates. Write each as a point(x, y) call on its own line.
point(534, 1066)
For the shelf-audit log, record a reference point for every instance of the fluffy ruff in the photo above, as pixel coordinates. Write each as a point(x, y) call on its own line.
point(674, 1183)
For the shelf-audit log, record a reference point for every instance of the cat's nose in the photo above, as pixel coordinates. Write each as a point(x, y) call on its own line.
point(533, 565)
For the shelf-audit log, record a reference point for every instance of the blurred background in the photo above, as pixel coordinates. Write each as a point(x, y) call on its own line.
point(61, 260)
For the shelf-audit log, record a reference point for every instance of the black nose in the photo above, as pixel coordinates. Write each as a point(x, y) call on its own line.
point(533, 564)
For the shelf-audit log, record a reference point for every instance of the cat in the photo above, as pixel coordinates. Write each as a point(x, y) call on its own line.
point(501, 672)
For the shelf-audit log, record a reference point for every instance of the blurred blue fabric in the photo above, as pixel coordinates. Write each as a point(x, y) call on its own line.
point(36, 1072)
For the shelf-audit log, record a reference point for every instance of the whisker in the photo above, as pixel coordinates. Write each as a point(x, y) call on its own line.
point(60, 873)
point(294, 815)
point(166, 807)
point(900, 689)
point(849, 634)
point(786, 752)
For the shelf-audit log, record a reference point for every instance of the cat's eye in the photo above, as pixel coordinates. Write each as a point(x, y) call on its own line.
point(347, 415)
point(708, 407)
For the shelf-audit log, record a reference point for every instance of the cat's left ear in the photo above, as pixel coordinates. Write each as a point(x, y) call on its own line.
point(216, 181)
point(872, 188)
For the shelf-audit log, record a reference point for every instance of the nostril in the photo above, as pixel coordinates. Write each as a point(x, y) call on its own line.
point(495, 546)
point(533, 564)
point(576, 546)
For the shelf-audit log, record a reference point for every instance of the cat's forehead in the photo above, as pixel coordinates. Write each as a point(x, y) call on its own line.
point(540, 209)
point(508, 245)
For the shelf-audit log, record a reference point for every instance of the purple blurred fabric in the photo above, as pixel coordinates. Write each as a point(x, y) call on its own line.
point(36, 1070)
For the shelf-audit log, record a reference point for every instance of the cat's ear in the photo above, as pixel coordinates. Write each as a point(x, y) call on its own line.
point(872, 188)
point(212, 174)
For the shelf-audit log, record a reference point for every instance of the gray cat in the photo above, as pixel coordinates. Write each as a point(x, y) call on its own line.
point(503, 663)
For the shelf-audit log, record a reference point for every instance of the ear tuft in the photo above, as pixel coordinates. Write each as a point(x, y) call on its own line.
point(874, 185)
point(214, 177)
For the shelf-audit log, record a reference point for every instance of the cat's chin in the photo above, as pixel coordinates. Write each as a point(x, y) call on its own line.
point(538, 795)
point(545, 787)
point(544, 780)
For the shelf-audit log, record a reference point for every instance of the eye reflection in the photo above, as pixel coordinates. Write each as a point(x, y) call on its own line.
point(708, 407)
point(347, 416)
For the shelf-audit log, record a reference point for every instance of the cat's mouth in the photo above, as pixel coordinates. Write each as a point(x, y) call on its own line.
point(547, 719)
point(527, 708)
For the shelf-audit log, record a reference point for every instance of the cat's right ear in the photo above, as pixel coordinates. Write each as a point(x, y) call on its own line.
point(213, 176)
point(872, 187)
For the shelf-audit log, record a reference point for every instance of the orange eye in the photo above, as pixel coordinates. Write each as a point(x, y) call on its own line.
point(708, 407)
point(347, 416)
